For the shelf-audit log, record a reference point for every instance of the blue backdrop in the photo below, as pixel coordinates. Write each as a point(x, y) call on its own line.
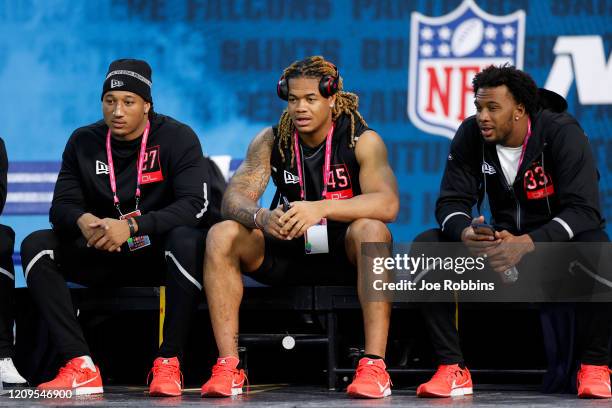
point(216, 62)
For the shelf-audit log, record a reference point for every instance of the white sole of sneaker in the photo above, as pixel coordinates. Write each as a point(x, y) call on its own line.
point(88, 390)
point(235, 391)
point(457, 392)
point(385, 393)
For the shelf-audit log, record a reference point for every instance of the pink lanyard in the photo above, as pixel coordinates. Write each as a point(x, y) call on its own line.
point(326, 166)
point(525, 141)
point(111, 166)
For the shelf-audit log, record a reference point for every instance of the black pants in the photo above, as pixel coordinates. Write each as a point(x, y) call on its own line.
point(174, 260)
point(7, 289)
point(593, 320)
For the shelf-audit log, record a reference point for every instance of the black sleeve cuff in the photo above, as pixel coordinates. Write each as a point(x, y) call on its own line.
point(455, 225)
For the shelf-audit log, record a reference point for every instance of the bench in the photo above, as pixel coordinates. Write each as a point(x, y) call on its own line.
point(30, 191)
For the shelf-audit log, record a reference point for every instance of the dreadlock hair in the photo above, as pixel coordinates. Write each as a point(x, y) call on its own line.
point(520, 84)
point(346, 102)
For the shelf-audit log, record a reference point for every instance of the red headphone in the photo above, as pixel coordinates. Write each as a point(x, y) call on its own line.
point(328, 85)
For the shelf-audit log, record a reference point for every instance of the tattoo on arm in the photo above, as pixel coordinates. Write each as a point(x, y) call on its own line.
point(250, 181)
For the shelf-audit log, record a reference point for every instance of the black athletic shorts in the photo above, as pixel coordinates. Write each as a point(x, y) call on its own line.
point(286, 264)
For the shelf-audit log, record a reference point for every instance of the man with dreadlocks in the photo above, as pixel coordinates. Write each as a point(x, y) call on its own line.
point(338, 190)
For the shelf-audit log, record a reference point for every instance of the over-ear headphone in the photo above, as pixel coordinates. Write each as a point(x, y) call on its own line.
point(328, 85)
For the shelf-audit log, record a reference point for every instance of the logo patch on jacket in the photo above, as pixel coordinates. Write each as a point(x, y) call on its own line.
point(151, 168)
point(101, 167)
point(537, 184)
point(291, 178)
point(487, 168)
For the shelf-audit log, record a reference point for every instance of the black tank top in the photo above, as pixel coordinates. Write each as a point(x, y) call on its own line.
point(344, 179)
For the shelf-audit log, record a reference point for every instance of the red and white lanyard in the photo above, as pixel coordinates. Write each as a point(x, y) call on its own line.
point(525, 141)
point(326, 166)
point(140, 164)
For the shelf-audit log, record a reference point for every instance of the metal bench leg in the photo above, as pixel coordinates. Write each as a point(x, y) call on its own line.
point(162, 314)
point(332, 358)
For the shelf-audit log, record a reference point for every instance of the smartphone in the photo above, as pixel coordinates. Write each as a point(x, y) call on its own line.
point(286, 204)
point(484, 229)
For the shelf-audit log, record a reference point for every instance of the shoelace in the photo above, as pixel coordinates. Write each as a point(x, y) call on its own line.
point(69, 371)
point(596, 373)
point(165, 371)
point(449, 373)
point(369, 371)
point(222, 369)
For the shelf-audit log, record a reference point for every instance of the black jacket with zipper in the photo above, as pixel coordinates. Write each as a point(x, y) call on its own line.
point(177, 180)
point(555, 195)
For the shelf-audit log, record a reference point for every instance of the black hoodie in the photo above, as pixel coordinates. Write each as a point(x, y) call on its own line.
point(176, 178)
point(555, 195)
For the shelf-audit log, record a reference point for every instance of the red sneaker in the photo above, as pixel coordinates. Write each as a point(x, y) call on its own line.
point(226, 379)
point(167, 378)
point(593, 381)
point(371, 380)
point(448, 381)
point(78, 377)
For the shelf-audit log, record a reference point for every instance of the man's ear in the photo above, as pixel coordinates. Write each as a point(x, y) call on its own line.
point(519, 111)
point(332, 101)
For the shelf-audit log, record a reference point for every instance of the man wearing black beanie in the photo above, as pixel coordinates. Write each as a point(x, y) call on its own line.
point(130, 208)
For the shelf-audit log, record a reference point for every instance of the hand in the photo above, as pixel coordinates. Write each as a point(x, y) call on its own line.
point(477, 243)
point(510, 251)
point(301, 216)
point(91, 234)
point(116, 233)
point(269, 220)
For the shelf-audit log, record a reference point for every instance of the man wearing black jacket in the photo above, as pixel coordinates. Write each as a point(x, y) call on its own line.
point(9, 375)
point(535, 165)
point(131, 198)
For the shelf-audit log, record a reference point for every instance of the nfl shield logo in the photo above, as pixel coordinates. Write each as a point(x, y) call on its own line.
point(445, 54)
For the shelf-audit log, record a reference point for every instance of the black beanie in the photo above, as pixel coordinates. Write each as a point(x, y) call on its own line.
point(130, 75)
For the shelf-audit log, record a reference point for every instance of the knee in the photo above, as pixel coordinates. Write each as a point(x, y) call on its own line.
point(175, 235)
point(432, 235)
point(34, 246)
point(368, 230)
point(222, 237)
point(7, 242)
point(184, 248)
point(184, 239)
point(34, 243)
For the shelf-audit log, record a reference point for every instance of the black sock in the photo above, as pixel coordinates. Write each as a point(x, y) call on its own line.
point(374, 357)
